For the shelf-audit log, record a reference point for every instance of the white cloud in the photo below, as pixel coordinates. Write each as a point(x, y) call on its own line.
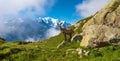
point(28, 7)
point(32, 30)
point(4, 27)
point(89, 7)
point(30, 40)
point(52, 32)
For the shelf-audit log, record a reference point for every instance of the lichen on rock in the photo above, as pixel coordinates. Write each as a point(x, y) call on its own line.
point(103, 26)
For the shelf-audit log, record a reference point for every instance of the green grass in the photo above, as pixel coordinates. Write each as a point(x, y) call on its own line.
point(47, 51)
point(108, 53)
point(37, 51)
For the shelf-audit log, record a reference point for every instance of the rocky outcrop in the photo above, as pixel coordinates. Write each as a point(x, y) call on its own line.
point(94, 34)
point(103, 27)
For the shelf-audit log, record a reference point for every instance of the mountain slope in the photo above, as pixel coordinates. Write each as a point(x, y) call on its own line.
point(46, 50)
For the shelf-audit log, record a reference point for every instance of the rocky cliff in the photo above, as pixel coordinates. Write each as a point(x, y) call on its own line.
point(103, 27)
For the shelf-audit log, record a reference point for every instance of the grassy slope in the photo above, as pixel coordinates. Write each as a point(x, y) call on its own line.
point(46, 51)
point(38, 51)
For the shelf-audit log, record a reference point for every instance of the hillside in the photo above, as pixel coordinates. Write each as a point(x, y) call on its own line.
point(37, 51)
point(46, 50)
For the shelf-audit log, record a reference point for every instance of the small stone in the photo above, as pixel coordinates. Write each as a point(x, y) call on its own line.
point(87, 53)
point(79, 50)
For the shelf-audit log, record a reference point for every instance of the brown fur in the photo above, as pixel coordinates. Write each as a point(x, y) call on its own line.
point(66, 31)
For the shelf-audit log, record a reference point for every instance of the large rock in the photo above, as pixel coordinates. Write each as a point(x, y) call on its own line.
point(99, 33)
point(103, 27)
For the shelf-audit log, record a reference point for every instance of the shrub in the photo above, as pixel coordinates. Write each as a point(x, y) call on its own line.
point(2, 40)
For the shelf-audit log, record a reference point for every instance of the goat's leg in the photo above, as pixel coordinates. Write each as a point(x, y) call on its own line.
point(70, 37)
point(65, 37)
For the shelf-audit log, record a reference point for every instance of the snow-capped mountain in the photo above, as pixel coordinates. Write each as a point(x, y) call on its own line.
point(30, 30)
point(52, 22)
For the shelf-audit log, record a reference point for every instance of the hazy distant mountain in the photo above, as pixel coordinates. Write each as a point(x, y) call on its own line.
point(31, 30)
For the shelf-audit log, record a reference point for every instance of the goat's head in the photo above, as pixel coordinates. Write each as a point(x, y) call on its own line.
point(60, 24)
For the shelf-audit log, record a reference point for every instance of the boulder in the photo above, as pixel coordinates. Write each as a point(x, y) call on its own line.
point(98, 34)
point(103, 27)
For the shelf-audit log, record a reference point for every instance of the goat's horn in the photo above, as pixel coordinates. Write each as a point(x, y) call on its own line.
point(61, 23)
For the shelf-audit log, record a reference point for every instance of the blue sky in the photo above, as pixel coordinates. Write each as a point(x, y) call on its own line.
point(67, 10)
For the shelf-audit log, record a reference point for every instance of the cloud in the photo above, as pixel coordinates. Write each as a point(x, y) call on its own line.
point(32, 30)
point(30, 40)
point(52, 32)
point(24, 7)
point(89, 7)
point(4, 27)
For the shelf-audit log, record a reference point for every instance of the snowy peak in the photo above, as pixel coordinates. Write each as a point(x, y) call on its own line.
point(52, 21)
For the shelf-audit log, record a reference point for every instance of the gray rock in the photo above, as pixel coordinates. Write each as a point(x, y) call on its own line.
point(87, 53)
point(80, 51)
point(104, 27)
point(100, 35)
